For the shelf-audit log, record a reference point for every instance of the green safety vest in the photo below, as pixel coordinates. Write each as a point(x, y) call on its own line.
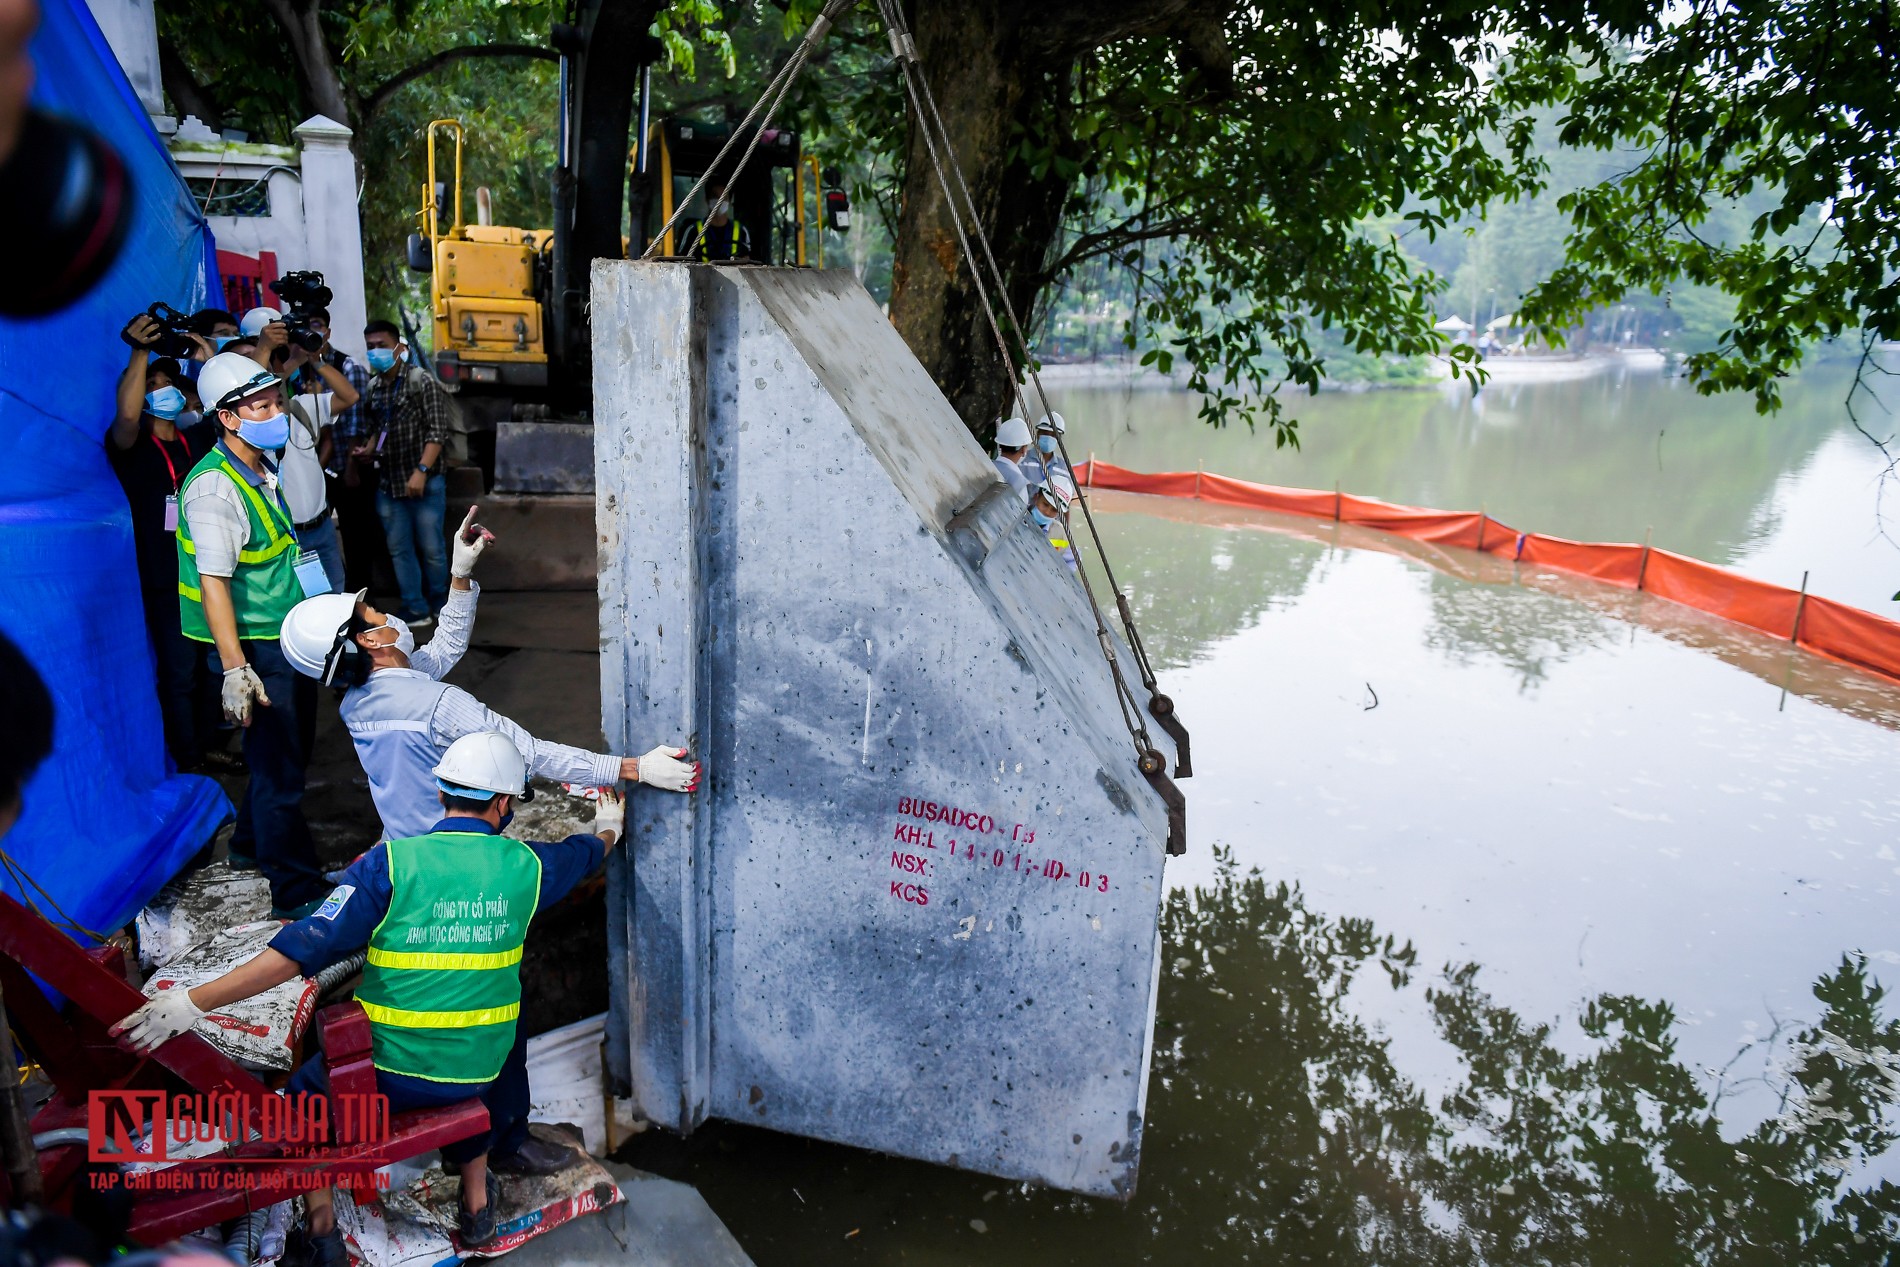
point(264, 587)
point(705, 227)
point(442, 988)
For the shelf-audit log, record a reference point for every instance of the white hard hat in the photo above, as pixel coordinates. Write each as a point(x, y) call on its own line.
point(486, 761)
point(315, 630)
point(1012, 433)
point(1059, 492)
point(256, 319)
point(1052, 422)
point(229, 377)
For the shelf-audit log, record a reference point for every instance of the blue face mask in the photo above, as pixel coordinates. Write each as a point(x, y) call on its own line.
point(1042, 520)
point(166, 403)
point(224, 340)
point(382, 360)
point(269, 434)
point(507, 818)
point(1047, 444)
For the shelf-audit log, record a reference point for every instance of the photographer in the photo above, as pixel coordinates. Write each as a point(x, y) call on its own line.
point(318, 389)
point(409, 430)
point(151, 453)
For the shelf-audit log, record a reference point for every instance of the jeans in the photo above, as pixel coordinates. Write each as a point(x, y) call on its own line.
point(361, 529)
point(506, 1099)
point(270, 822)
point(323, 540)
point(413, 527)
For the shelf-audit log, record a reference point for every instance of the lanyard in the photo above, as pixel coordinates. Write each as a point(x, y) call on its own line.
point(169, 465)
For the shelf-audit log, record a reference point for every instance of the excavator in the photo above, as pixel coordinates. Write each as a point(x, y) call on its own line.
point(507, 304)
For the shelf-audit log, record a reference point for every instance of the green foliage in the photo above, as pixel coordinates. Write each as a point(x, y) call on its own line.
point(1725, 103)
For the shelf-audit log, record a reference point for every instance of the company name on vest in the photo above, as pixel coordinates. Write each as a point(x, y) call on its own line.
point(478, 907)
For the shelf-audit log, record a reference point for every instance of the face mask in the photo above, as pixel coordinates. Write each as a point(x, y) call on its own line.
point(1047, 445)
point(382, 360)
point(269, 434)
point(723, 207)
point(224, 340)
point(189, 418)
point(166, 403)
point(1042, 520)
point(507, 818)
point(405, 641)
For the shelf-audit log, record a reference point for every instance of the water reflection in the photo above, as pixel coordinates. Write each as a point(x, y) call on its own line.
point(1282, 1129)
point(1607, 458)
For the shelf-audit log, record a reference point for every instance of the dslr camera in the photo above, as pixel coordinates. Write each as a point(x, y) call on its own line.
point(172, 339)
point(303, 294)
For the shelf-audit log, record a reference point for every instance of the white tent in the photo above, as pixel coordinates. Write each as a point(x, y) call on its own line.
point(1500, 323)
point(1454, 324)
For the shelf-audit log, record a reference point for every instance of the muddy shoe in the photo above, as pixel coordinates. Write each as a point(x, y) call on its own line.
point(536, 1156)
point(479, 1229)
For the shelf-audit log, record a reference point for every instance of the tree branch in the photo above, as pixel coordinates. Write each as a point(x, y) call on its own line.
point(381, 94)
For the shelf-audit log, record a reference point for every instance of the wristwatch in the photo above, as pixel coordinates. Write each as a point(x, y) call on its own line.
point(424, 468)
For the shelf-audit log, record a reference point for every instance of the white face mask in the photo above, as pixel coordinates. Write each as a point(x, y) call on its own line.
point(405, 641)
point(723, 207)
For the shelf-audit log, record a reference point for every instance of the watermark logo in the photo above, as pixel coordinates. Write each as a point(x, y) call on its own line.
point(275, 1137)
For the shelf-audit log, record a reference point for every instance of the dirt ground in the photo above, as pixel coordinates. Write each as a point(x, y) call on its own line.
point(534, 657)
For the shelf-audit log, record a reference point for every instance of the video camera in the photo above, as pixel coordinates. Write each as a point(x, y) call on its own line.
point(303, 294)
point(174, 331)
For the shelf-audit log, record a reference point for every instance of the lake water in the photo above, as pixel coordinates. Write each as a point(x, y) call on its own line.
point(1547, 873)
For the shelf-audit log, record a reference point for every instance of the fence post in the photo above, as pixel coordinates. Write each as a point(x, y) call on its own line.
point(1481, 521)
point(1642, 569)
point(1800, 609)
point(1335, 501)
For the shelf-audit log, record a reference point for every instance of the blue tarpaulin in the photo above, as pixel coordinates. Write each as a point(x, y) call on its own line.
point(107, 820)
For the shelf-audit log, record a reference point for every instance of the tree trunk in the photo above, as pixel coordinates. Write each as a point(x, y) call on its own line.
point(189, 97)
point(986, 83)
point(301, 23)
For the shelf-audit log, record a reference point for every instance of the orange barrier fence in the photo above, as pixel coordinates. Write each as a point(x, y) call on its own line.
point(1821, 625)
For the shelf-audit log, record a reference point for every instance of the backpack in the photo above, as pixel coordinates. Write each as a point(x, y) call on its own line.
point(455, 447)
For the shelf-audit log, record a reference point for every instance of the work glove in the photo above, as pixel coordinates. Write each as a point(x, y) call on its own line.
point(610, 813)
point(242, 686)
point(470, 540)
point(664, 768)
point(167, 1016)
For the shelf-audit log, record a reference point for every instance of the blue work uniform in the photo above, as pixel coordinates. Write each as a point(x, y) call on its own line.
point(342, 926)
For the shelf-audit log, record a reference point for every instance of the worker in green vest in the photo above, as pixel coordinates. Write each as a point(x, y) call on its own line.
point(240, 571)
point(444, 917)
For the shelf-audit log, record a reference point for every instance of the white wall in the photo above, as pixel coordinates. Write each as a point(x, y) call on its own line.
point(131, 28)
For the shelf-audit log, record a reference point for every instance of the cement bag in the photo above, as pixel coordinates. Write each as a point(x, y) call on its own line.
point(529, 1206)
point(197, 907)
point(260, 1032)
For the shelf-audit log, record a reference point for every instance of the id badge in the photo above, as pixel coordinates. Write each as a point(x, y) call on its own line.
point(171, 512)
point(310, 574)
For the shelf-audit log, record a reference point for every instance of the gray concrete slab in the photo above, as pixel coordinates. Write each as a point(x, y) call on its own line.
point(662, 1223)
point(914, 906)
point(544, 541)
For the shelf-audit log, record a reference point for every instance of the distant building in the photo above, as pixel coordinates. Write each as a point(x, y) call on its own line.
point(272, 208)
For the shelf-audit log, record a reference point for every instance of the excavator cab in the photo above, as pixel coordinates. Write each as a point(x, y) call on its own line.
point(488, 285)
point(783, 200)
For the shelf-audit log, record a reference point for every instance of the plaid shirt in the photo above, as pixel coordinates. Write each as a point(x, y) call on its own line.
point(349, 423)
point(411, 413)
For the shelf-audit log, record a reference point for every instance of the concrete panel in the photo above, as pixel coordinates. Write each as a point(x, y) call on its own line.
point(543, 541)
point(914, 907)
point(544, 457)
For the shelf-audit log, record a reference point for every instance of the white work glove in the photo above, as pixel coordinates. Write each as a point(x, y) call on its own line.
point(470, 540)
point(664, 769)
point(241, 687)
point(610, 813)
point(167, 1016)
